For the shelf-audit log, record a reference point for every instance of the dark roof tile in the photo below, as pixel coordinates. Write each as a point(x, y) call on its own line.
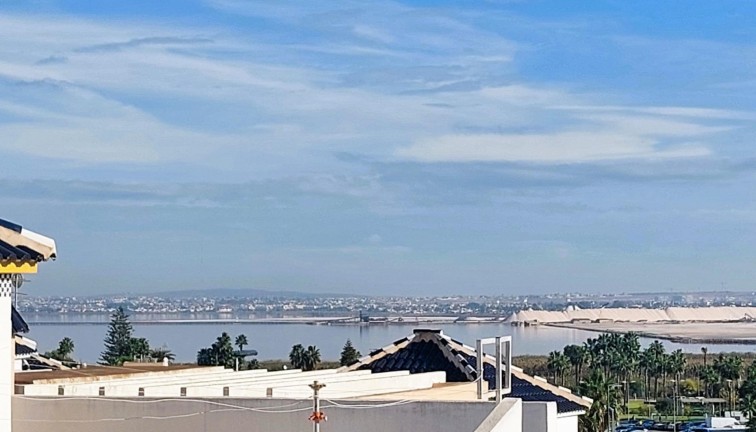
point(14, 246)
point(434, 355)
point(24, 350)
point(19, 324)
point(11, 226)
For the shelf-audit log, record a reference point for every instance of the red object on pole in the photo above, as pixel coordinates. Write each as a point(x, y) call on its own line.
point(318, 417)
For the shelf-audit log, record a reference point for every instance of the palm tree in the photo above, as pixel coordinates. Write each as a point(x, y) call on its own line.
point(709, 376)
point(205, 357)
point(606, 400)
point(311, 358)
point(664, 363)
point(551, 364)
point(646, 363)
point(677, 365)
point(729, 368)
point(658, 363)
point(223, 351)
point(558, 364)
point(162, 353)
point(241, 340)
point(577, 356)
point(65, 347)
point(297, 356)
point(631, 349)
point(748, 405)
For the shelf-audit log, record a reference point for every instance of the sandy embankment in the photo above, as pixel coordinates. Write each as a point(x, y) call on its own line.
point(696, 332)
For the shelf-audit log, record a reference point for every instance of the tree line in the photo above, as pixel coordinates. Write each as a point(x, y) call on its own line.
point(121, 346)
point(612, 367)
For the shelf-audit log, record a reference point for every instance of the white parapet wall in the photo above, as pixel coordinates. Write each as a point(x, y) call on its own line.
point(120, 386)
point(33, 414)
point(7, 352)
point(505, 417)
point(250, 384)
point(375, 384)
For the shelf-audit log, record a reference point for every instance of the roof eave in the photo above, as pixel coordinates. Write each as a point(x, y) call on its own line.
point(16, 236)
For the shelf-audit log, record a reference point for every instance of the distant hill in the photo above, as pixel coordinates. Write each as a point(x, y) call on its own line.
point(241, 292)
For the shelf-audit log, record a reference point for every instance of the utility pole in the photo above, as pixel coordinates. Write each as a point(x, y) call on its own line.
point(674, 405)
point(317, 415)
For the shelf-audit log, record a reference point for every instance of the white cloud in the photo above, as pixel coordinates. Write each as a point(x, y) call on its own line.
point(576, 134)
point(372, 33)
point(156, 93)
point(83, 126)
point(693, 112)
point(562, 147)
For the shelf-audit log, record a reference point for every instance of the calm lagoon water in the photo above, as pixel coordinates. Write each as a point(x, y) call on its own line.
point(273, 341)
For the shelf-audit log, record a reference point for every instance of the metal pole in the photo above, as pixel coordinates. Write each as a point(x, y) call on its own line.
point(479, 367)
point(674, 406)
point(498, 370)
point(317, 416)
point(608, 408)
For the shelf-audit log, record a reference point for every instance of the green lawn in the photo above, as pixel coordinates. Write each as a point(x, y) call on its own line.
point(638, 409)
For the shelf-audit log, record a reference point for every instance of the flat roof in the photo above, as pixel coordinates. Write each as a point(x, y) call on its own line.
point(450, 392)
point(28, 377)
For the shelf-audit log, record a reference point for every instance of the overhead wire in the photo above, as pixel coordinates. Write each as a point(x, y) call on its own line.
point(226, 408)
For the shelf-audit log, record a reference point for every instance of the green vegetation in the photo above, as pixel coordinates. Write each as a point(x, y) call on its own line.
point(120, 345)
point(281, 364)
point(221, 353)
point(613, 370)
point(158, 354)
point(241, 341)
point(63, 352)
point(349, 354)
point(305, 359)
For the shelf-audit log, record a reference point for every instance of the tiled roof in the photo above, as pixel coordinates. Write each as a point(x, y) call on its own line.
point(431, 350)
point(23, 350)
point(25, 347)
point(19, 324)
point(419, 357)
point(18, 253)
point(527, 390)
point(20, 244)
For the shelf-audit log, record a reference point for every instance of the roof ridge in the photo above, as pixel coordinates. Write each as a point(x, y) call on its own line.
point(378, 353)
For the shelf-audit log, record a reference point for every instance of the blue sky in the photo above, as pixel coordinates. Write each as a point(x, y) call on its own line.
point(415, 147)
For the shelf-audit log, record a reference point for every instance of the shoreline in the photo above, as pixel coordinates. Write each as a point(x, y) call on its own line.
point(677, 338)
point(331, 321)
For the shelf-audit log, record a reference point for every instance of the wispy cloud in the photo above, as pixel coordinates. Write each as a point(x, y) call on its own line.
point(145, 41)
point(153, 94)
point(379, 138)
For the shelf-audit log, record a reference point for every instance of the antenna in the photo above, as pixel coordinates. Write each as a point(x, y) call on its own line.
point(17, 280)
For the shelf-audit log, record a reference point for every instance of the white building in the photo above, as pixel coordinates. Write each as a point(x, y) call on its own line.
point(417, 384)
point(20, 252)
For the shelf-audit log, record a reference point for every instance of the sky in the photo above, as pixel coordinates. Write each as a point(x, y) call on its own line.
point(385, 148)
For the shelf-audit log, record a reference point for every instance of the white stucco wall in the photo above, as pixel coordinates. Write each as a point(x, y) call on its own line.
point(567, 423)
point(7, 352)
point(250, 385)
point(34, 414)
point(543, 417)
point(506, 417)
point(539, 417)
